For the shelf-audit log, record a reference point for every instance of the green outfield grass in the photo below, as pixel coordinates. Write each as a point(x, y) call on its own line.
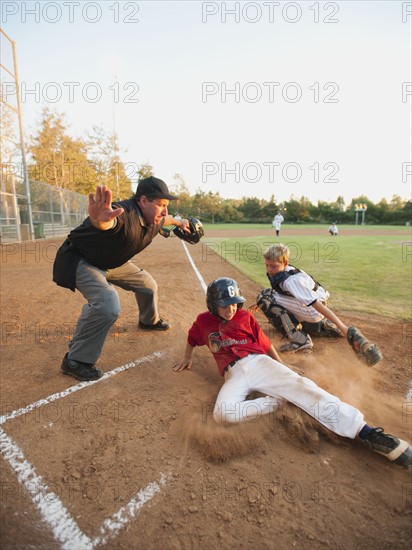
point(324, 227)
point(367, 273)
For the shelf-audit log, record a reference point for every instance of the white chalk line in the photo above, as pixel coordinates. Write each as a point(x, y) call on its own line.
point(111, 526)
point(192, 263)
point(55, 514)
point(77, 387)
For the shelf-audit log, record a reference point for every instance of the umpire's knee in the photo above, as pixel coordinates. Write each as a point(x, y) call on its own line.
point(108, 304)
point(150, 286)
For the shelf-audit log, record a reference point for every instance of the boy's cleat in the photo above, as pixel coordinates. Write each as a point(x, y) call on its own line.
point(396, 450)
point(300, 342)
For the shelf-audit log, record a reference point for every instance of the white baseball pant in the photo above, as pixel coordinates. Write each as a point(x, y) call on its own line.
point(263, 374)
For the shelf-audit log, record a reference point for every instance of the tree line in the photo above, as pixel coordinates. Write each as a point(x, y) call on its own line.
point(79, 164)
point(213, 208)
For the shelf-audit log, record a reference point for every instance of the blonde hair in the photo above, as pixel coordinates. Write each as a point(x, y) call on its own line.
point(277, 253)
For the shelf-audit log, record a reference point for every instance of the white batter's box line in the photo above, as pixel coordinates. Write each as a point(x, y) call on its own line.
point(111, 526)
point(53, 512)
point(77, 387)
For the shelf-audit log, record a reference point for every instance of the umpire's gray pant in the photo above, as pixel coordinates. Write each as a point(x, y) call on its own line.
point(103, 306)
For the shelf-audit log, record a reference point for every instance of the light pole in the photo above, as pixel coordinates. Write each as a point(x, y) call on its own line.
point(360, 208)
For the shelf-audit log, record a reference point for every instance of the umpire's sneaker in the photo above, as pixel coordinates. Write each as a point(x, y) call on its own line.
point(86, 372)
point(160, 325)
point(396, 450)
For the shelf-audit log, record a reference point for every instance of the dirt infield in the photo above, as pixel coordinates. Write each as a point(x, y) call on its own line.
point(136, 461)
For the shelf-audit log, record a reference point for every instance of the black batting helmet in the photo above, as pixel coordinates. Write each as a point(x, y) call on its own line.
point(222, 292)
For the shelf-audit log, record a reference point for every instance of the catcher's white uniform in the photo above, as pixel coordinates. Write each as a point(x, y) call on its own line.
point(303, 292)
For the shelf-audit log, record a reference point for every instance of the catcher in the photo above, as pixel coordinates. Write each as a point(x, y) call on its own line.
point(296, 306)
point(248, 362)
point(96, 257)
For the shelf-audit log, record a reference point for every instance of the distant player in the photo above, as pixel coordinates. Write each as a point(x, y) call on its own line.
point(248, 362)
point(277, 222)
point(333, 229)
point(296, 306)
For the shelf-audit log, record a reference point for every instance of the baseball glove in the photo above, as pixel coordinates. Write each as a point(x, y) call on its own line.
point(365, 350)
point(196, 231)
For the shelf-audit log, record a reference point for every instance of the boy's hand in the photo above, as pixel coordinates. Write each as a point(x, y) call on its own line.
point(182, 365)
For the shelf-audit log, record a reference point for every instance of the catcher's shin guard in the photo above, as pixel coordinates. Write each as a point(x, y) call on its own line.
point(273, 312)
point(283, 321)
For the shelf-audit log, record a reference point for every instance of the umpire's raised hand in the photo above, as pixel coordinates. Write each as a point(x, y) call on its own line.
point(101, 213)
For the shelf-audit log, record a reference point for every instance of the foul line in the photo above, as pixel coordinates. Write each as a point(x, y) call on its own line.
point(192, 263)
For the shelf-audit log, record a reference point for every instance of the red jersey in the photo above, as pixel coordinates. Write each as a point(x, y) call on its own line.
point(228, 340)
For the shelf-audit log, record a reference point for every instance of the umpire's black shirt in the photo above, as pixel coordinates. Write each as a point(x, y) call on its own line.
point(103, 249)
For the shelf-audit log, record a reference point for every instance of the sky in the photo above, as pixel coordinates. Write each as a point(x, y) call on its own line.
point(242, 98)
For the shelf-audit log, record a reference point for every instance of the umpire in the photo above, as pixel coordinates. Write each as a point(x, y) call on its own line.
point(96, 255)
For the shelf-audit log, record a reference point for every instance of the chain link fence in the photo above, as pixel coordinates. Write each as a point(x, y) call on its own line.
point(55, 211)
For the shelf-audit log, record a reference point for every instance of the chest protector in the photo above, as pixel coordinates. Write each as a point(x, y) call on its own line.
point(275, 280)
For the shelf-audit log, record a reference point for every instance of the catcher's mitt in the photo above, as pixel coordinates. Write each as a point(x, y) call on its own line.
point(196, 231)
point(365, 350)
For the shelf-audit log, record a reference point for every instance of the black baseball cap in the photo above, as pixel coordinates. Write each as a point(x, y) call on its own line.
point(153, 188)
